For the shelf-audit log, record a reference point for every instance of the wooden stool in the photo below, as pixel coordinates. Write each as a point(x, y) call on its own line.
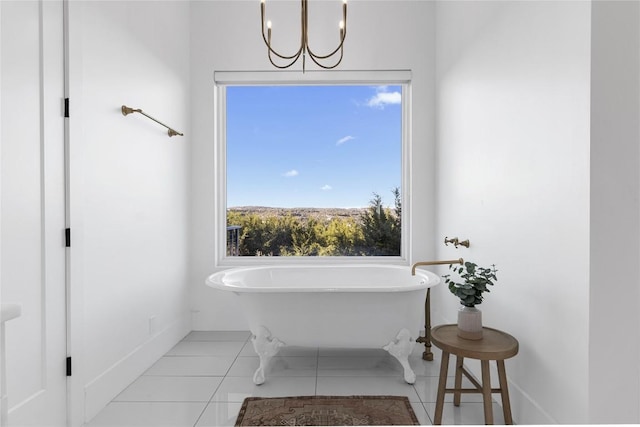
point(494, 345)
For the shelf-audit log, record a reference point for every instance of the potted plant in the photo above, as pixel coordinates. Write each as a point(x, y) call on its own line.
point(473, 282)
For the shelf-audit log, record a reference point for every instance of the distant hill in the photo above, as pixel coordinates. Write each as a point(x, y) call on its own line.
point(321, 213)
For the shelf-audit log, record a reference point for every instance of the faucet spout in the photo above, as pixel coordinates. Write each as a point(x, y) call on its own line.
point(454, 261)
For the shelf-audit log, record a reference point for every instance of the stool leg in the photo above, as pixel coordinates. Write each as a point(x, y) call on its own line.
point(486, 393)
point(442, 385)
point(458, 382)
point(504, 392)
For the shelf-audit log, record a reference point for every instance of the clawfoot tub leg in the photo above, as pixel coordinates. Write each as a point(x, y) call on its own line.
point(266, 346)
point(401, 348)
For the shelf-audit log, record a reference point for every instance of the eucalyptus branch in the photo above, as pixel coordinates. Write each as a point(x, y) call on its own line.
point(475, 281)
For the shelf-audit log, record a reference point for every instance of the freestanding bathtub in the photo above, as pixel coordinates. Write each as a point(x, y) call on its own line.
point(347, 306)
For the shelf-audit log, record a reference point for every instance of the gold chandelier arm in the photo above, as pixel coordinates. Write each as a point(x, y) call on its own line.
point(292, 58)
point(267, 39)
point(343, 35)
point(339, 48)
point(326, 67)
point(304, 40)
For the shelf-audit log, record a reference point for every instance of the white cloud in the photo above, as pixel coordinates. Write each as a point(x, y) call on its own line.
point(326, 187)
point(382, 98)
point(345, 139)
point(290, 173)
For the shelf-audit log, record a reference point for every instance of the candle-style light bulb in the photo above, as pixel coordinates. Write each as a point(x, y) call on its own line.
point(344, 13)
point(304, 47)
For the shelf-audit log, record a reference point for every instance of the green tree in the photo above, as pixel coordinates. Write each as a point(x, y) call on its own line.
point(381, 226)
point(305, 238)
point(376, 232)
point(343, 237)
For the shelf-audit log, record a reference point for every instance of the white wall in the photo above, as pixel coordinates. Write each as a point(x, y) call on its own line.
point(513, 156)
point(225, 36)
point(129, 191)
point(614, 349)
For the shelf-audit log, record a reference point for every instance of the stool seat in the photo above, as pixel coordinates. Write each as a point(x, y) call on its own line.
point(494, 345)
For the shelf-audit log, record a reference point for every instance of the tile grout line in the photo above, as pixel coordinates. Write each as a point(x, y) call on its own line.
point(212, 411)
point(220, 383)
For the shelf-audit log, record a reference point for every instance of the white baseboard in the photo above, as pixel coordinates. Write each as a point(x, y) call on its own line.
point(525, 409)
point(101, 390)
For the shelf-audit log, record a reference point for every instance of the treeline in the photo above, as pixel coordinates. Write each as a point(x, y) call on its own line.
point(376, 232)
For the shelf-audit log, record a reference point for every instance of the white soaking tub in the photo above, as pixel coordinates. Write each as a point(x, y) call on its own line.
point(339, 306)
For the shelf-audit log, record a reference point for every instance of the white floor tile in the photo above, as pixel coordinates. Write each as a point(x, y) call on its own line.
point(170, 389)
point(465, 414)
point(280, 366)
point(420, 348)
point(218, 336)
point(247, 350)
point(236, 389)
point(421, 414)
point(220, 414)
point(427, 388)
point(151, 414)
point(352, 352)
point(219, 366)
point(425, 368)
point(383, 365)
point(293, 351)
point(198, 366)
point(206, 348)
point(358, 386)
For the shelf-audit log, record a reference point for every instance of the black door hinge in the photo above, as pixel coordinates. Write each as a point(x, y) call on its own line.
point(69, 366)
point(67, 237)
point(66, 107)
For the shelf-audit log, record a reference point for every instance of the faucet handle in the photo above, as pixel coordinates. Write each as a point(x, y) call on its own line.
point(464, 243)
point(454, 241)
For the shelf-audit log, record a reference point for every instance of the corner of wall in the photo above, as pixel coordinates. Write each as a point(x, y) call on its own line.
point(101, 390)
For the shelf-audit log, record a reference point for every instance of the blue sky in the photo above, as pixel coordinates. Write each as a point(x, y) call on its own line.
point(313, 146)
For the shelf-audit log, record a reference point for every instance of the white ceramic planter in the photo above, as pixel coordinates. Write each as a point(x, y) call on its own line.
point(469, 323)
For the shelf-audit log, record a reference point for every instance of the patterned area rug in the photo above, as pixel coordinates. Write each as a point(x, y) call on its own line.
point(326, 411)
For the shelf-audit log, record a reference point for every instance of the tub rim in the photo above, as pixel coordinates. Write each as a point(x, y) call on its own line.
point(215, 280)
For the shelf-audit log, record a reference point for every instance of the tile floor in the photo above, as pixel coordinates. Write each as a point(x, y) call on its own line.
point(203, 380)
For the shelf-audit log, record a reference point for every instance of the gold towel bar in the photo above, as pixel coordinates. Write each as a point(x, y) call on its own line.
point(128, 110)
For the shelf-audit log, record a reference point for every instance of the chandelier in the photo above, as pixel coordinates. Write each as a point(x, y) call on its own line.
point(320, 60)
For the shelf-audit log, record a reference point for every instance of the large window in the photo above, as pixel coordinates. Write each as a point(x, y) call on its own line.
point(312, 169)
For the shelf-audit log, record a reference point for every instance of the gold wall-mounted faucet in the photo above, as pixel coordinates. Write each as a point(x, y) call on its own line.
point(453, 261)
point(427, 354)
point(456, 242)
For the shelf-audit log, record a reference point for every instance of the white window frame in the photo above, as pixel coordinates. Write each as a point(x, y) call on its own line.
point(222, 79)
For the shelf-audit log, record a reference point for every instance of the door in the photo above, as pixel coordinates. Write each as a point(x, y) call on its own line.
point(32, 215)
